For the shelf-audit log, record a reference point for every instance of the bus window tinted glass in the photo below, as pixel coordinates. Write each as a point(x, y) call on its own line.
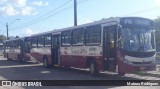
point(34, 42)
point(66, 38)
point(40, 41)
point(78, 36)
point(48, 41)
point(93, 35)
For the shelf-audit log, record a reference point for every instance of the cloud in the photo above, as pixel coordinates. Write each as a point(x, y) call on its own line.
point(10, 10)
point(16, 7)
point(35, 13)
point(19, 3)
point(40, 3)
point(28, 32)
point(2, 2)
point(2, 10)
point(157, 2)
point(27, 10)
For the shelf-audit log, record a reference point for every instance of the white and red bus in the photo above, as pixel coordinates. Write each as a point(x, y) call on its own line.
point(121, 44)
point(17, 49)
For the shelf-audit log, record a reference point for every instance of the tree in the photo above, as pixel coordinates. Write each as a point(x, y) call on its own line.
point(157, 32)
point(2, 38)
point(17, 37)
point(157, 23)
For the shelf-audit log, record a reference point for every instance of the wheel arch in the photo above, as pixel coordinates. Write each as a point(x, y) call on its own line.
point(89, 60)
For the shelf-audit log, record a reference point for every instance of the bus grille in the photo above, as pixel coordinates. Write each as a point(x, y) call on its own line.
point(142, 62)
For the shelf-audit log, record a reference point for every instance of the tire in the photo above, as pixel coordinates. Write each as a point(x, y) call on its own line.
point(93, 68)
point(119, 73)
point(45, 62)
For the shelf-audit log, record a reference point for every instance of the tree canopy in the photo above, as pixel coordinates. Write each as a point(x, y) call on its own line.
point(157, 23)
point(2, 38)
point(157, 32)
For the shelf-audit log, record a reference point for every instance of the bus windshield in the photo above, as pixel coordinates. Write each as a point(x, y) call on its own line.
point(141, 40)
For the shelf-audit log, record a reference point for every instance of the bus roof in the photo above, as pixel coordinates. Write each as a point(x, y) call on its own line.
point(104, 20)
point(21, 38)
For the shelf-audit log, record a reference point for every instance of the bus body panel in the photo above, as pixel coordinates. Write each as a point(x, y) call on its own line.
point(129, 67)
point(39, 53)
point(80, 61)
point(76, 56)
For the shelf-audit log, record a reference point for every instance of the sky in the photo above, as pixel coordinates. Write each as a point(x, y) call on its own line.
point(27, 17)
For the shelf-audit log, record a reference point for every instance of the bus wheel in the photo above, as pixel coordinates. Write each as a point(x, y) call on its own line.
point(93, 69)
point(117, 71)
point(45, 62)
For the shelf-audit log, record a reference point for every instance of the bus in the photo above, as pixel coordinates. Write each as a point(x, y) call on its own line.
point(17, 49)
point(120, 44)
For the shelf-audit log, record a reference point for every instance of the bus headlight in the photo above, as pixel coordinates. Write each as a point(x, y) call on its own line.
point(126, 61)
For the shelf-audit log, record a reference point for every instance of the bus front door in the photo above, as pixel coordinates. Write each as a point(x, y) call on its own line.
point(55, 49)
point(109, 46)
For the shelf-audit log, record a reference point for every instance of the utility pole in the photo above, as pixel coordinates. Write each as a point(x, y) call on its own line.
point(7, 30)
point(9, 25)
point(75, 12)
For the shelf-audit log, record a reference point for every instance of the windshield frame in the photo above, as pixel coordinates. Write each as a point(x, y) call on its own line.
point(149, 31)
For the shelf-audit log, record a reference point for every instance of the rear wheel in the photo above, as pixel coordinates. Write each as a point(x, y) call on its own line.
point(93, 68)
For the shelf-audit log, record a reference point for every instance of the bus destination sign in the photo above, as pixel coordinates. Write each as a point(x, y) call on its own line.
point(136, 21)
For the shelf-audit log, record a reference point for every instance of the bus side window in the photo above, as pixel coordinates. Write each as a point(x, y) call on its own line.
point(41, 41)
point(66, 38)
point(27, 45)
point(34, 42)
point(78, 36)
point(93, 35)
point(47, 41)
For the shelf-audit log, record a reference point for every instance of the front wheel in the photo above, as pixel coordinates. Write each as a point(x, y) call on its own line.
point(93, 69)
point(118, 72)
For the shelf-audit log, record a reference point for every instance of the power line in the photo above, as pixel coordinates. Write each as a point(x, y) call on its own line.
point(45, 18)
point(52, 14)
point(83, 1)
point(142, 11)
point(2, 24)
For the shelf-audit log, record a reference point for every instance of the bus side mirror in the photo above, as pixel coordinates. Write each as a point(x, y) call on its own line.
point(119, 31)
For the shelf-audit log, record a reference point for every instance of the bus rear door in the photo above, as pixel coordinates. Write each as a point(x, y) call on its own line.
point(55, 49)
